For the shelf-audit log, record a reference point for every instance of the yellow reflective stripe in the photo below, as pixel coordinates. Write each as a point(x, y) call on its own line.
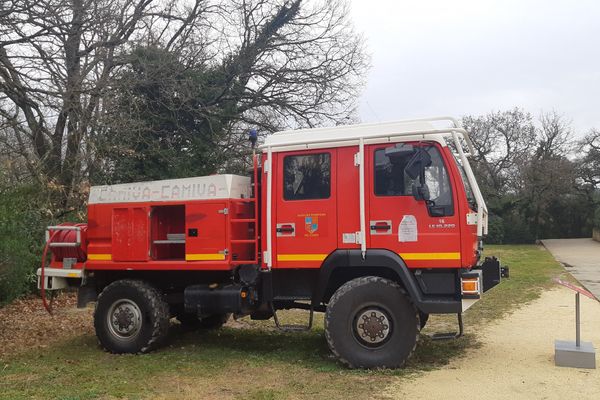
point(99, 257)
point(301, 257)
point(72, 275)
point(430, 256)
point(205, 257)
point(406, 256)
point(295, 257)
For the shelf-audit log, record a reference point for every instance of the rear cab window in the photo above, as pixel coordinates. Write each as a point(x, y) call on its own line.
point(307, 177)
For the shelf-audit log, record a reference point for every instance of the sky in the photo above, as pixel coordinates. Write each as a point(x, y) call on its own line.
point(470, 57)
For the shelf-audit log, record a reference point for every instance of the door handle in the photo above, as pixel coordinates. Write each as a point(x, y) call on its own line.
point(285, 229)
point(381, 227)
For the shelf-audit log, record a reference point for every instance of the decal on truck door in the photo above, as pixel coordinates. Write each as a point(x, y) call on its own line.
point(407, 230)
point(311, 224)
point(315, 224)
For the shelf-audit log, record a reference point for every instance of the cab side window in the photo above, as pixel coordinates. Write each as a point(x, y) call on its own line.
point(307, 177)
point(392, 180)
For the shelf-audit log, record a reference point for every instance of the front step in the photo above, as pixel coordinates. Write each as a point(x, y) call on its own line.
point(293, 328)
point(450, 335)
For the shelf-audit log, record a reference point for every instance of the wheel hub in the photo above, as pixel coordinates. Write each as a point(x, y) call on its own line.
point(372, 326)
point(124, 319)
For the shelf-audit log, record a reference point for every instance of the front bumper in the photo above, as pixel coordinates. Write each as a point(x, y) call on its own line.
point(58, 278)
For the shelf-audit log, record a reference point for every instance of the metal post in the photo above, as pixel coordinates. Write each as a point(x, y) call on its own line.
point(361, 190)
point(577, 320)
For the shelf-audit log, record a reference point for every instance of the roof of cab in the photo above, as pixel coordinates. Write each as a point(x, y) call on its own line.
point(430, 129)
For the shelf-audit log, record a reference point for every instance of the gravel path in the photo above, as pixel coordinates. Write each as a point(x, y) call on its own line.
point(581, 258)
point(516, 360)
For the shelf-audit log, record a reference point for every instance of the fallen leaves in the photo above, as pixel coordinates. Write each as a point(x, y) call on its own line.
point(25, 324)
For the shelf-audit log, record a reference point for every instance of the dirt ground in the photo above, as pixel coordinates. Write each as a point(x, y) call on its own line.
point(516, 360)
point(25, 324)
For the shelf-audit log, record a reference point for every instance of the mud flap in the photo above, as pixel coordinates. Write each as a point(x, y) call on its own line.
point(86, 294)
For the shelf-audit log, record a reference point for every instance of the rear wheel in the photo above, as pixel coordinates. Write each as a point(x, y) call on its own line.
point(371, 323)
point(131, 317)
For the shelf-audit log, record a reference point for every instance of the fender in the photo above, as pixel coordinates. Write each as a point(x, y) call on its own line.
point(381, 258)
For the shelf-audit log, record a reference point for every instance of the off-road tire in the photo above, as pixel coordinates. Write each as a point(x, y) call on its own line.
point(366, 293)
point(154, 326)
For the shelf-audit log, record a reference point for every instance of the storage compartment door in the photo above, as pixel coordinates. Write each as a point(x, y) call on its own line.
point(130, 236)
point(205, 228)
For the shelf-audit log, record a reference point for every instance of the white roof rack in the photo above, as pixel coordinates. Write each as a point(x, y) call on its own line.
point(428, 128)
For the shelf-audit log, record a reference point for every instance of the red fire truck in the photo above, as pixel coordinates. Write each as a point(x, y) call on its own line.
point(376, 225)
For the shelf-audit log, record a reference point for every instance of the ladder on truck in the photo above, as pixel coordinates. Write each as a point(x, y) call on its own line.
point(239, 243)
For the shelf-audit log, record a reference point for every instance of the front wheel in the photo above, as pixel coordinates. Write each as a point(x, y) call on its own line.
point(131, 317)
point(371, 323)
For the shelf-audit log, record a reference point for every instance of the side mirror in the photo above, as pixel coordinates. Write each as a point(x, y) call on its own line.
point(421, 192)
point(417, 163)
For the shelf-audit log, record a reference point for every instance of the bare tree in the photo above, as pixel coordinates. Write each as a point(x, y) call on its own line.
point(502, 140)
point(57, 58)
point(547, 176)
point(589, 160)
point(279, 63)
point(529, 175)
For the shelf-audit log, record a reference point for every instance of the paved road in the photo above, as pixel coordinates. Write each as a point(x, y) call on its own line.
point(581, 258)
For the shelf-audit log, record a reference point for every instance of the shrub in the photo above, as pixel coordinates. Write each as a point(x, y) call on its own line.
point(22, 225)
point(517, 230)
point(495, 230)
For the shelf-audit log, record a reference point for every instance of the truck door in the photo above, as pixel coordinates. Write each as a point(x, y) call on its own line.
point(425, 233)
point(205, 226)
point(304, 208)
point(130, 235)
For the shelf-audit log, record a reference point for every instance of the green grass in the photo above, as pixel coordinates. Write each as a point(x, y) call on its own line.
point(256, 363)
point(531, 271)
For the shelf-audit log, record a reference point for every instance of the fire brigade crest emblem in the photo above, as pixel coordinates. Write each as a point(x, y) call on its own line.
point(311, 224)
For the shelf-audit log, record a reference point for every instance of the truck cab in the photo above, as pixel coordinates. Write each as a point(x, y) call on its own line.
point(376, 225)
